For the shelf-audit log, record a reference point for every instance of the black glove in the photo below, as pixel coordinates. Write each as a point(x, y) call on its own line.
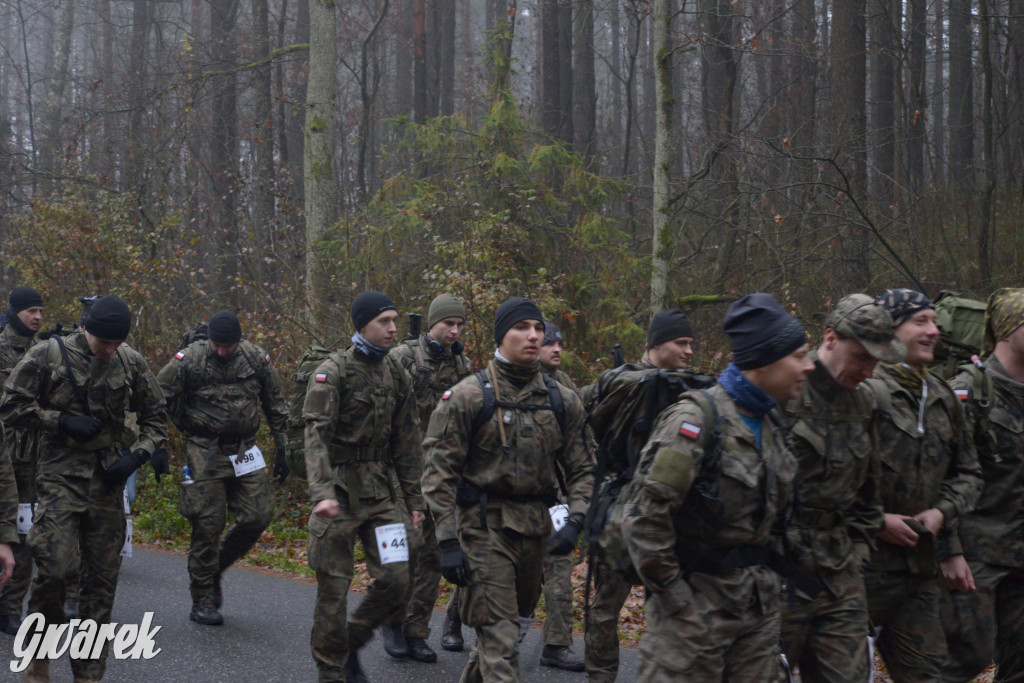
point(565, 538)
point(119, 472)
point(454, 563)
point(79, 427)
point(161, 463)
point(281, 469)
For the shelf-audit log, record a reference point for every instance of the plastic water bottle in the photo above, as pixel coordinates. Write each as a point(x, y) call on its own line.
point(186, 476)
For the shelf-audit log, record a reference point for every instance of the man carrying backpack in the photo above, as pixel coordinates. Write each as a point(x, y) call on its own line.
point(929, 479)
point(987, 582)
point(833, 530)
point(362, 436)
point(435, 362)
point(493, 446)
point(700, 518)
point(215, 388)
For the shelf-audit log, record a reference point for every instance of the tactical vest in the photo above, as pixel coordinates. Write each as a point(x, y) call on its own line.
point(219, 405)
point(432, 376)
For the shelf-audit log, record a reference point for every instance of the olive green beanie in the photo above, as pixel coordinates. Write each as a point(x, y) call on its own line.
point(445, 306)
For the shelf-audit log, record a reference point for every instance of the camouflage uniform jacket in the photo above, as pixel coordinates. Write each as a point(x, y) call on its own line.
point(525, 469)
point(558, 374)
point(994, 532)
point(840, 510)
point(754, 487)
point(216, 403)
point(934, 469)
point(431, 374)
point(362, 430)
point(38, 391)
point(20, 445)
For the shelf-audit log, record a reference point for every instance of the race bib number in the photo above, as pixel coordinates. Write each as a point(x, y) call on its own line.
point(247, 462)
point(127, 506)
point(126, 549)
point(559, 516)
point(392, 544)
point(24, 517)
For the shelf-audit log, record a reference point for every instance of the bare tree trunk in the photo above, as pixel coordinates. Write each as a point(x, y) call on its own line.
point(446, 58)
point(961, 94)
point(584, 95)
point(918, 98)
point(1015, 78)
point(883, 79)
point(938, 96)
point(134, 177)
point(400, 91)
point(985, 226)
point(368, 95)
point(550, 69)
point(419, 62)
point(224, 146)
point(264, 143)
point(661, 19)
point(53, 155)
point(110, 129)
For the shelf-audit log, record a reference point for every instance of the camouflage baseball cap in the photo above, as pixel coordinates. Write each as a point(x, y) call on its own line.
point(861, 318)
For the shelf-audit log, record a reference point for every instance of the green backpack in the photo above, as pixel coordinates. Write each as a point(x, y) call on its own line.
point(961, 324)
point(295, 453)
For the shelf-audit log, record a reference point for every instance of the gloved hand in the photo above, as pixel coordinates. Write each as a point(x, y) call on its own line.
point(454, 563)
point(565, 539)
point(119, 472)
point(281, 469)
point(161, 463)
point(79, 427)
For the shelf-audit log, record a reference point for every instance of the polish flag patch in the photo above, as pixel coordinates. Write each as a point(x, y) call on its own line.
point(267, 358)
point(446, 395)
point(961, 394)
point(180, 355)
point(689, 430)
point(320, 377)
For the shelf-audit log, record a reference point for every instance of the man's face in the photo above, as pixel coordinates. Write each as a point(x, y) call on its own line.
point(521, 343)
point(551, 355)
point(104, 349)
point(381, 330)
point(919, 333)
point(847, 361)
point(783, 379)
point(31, 318)
point(222, 351)
point(672, 355)
point(1015, 340)
point(447, 331)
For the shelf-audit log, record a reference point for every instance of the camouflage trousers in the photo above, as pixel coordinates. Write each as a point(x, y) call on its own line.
point(505, 582)
point(79, 522)
point(827, 637)
point(986, 625)
point(205, 504)
point(425, 576)
point(611, 587)
point(907, 608)
point(12, 595)
point(330, 548)
point(558, 599)
point(703, 642)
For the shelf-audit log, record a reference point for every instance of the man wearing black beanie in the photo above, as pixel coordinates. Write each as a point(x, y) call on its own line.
point(75, 393)
point(669, 341)
point(493, 446)
point(214, 389)
point(362, 436)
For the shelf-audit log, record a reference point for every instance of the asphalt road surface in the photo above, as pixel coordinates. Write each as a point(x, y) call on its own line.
point(265, 636)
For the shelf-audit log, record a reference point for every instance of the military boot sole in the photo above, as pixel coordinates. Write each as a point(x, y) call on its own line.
point(207, 619)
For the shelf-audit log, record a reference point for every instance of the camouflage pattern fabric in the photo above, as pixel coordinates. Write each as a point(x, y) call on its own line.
point(988, 623)
point(74, 501)
point(703, 626)
point(907, 606)
point(562, 378)
point(1004, 314)
point(12, 595)
point(831, 534)
point(558, 599)
point(431, 376)
point(612, 585)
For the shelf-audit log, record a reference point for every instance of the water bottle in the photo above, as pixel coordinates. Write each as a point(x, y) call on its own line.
point(186, 476)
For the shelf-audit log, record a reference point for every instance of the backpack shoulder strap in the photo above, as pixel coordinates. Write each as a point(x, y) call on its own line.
point(557, 403)
point(489, 404)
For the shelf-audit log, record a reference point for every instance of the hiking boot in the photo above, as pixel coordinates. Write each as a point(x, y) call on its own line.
point(353, 672)
point(71, 608)
point(10, 623)
point(38, 671)
point(394, 641)
point(420, 651)
point(205, 612)
point(451, 634)
point(218, 594)
point(561, 658)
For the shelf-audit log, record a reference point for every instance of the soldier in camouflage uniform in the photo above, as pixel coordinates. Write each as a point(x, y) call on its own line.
point(24, 317)
point(832, 533)
point(929, 478)
point(362, 451)
point(435, 362)
point(669, 347)
point(987, 581)
point(77, 402)
point(214, 389)
point(557, 650)
point(698, 519)
point(490, 484)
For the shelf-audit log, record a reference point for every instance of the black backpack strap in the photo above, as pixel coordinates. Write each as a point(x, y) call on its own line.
point(490, 403)
point(555, 396)
point(71, 376)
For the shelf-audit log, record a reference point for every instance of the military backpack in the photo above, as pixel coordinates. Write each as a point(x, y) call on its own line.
point(961, 323)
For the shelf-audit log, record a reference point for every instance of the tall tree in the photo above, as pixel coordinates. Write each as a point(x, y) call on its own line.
point(555, 70)
point(224, 146)
point(584, 93)
point(54, 104)
point(661, 18)
point(884, 65)
point(264, 143)
point(985, 227)
point(918, 100)
point(961, 93)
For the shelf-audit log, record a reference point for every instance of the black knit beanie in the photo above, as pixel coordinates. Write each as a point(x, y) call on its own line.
point(551, 333)
point(668, 325)
point(109, 318)
point(512, 311)
point(224, 328)
point(24, 297)
point(368, 305)
point(761, 331)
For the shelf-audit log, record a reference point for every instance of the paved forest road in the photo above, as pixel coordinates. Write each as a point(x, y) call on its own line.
point(265, 636)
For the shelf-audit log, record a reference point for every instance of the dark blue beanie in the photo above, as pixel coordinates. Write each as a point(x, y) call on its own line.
point(761, 331)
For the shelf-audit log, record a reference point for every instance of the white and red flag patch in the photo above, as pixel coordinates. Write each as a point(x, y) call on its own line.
point(446, 395)
point(689, 430)
point(320, 377)
point(180, 355)
point(961, 394)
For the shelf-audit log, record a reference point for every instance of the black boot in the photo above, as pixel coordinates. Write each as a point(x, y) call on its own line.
point(561, 658)
point(218, 594)
point(204, 612)
point(10, 623)
point(394, 641)
point(451, 634)
point(420, 651)
point(353, 672)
